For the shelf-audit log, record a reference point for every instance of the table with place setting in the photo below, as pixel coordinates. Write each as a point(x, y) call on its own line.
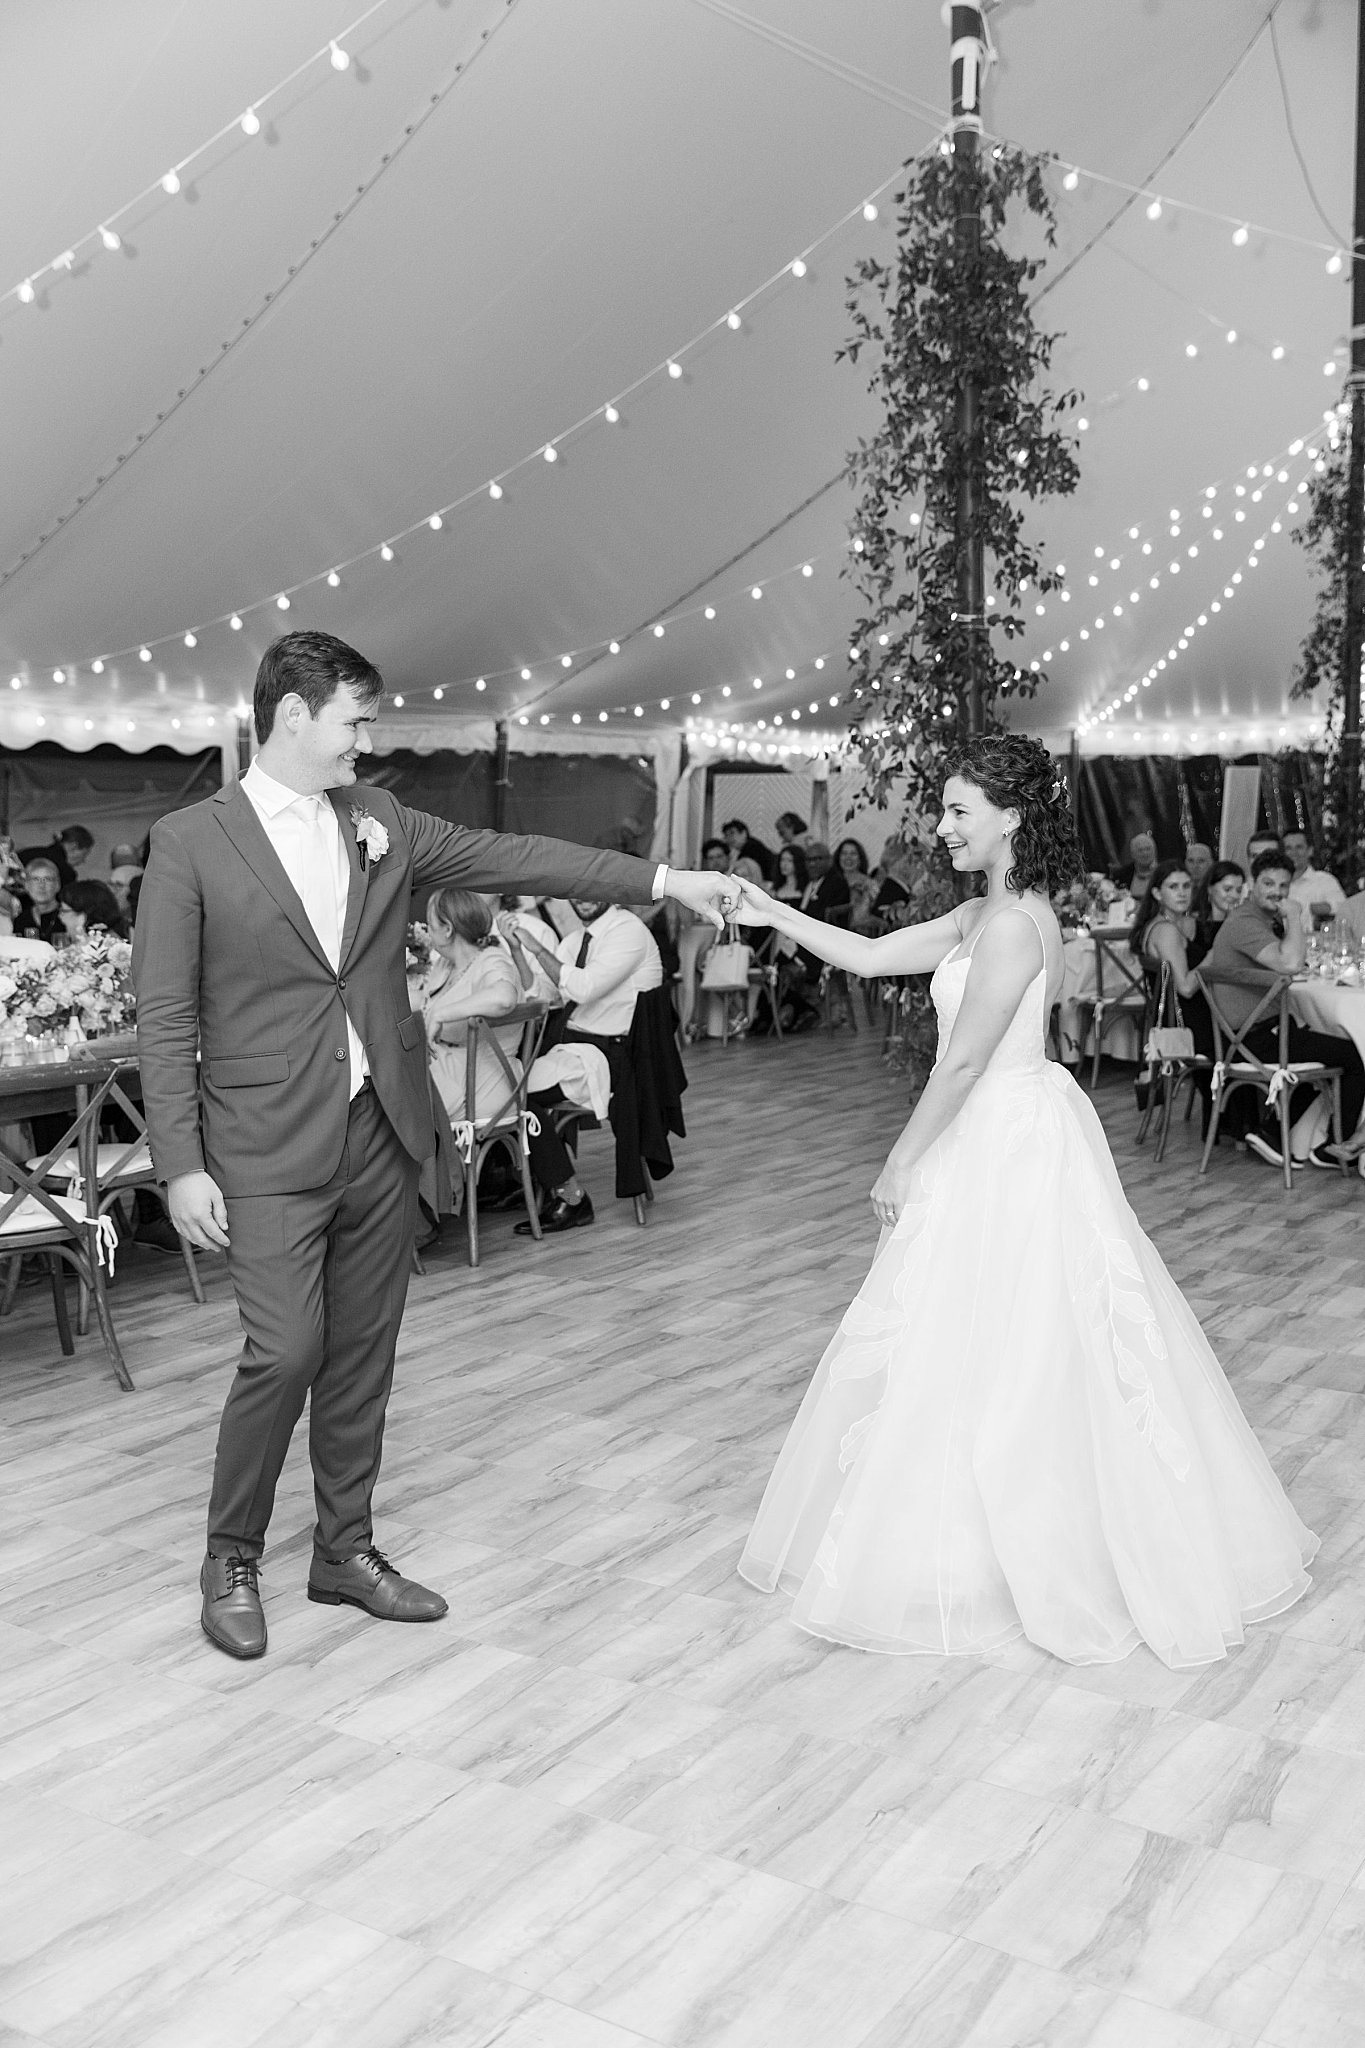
point(1084, 949)
point(1330, 994)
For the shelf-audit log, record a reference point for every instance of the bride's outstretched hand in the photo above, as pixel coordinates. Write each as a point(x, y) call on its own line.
point(756, 905)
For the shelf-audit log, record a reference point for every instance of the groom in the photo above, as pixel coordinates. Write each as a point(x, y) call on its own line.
point(286, 1095)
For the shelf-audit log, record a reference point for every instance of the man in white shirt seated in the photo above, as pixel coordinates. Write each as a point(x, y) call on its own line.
point(1319, 895)
point(600, 969)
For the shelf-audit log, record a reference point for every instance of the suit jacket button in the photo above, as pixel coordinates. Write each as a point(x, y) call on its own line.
point(338, 1054)
point(340, 982)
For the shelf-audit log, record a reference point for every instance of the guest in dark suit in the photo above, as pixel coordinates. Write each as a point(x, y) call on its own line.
point(743, 846)
point(287, 1100)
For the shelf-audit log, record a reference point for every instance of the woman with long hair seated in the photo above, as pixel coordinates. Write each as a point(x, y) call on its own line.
point(1166, 933)
point(471, 975)
point(1221, 890)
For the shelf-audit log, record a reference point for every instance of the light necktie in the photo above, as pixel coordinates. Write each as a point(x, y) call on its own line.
point(318, 893)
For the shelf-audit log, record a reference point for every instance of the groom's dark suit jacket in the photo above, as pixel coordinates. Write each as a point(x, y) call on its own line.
point(228, 968)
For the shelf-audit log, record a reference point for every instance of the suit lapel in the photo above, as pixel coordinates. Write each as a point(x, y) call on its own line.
point(237, 815)
point(360, 876)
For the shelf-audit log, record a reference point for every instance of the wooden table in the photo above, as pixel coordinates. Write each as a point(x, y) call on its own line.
point(78, 1089)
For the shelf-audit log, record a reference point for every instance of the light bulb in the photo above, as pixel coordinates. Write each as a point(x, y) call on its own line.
point(1071, 180)
point(695, 698)
point(1241, 236)
point(610, 415)
point(578, 718)
point(601, 717)
point(710, 612)
point(869, 209)
point(190, 640)
point(758, 682)
point(613, 647)
point(1082, 426)
point(282, 601)
point(333, 580)
point(170, 184)
point(341, 59)
point(26, 292)
point(663, 703)
point(675, 369)
point(144, 654)
point(235, 623)
point(566, 661)
point(480, 684)
point(66, 261)
point(1143, 384)
point(386, 553)
point(1334, 263)
point(733, 322)
point(1232, 335)
point(806, 569)
point(658, 632)
point(495, 490)
point(1277, 353)
point(545, 718)
point(59, 675)
point(551, 452)
point(1191, 349)
point(96, 666)
point(250, 123)
point(436, 522)
point(1329, 369)
point(799, 267)
point(526, 675)
point(110, 240)
point(757, 590)
point(438, 694)
point(1154, 210)
point(398, 703)
point(820, 662)
point(791, 675)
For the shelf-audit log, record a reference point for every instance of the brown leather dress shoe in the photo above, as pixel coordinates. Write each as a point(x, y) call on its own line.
point(368, 1580)
point(233, 1618)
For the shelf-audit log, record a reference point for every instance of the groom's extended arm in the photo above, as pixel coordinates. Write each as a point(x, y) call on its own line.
point(166, 947)
point(453, 856)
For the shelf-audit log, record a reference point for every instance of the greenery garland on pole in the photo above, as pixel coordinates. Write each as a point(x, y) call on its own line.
point(930, 319)
point(1323, 535)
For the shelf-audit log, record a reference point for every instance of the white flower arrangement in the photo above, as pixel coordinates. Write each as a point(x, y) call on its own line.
point(88, 985)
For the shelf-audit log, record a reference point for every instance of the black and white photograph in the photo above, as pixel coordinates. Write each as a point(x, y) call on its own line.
point(682, 1024)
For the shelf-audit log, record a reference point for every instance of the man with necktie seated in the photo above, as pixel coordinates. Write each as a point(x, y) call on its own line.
point(600, 970)
point(287, 1100)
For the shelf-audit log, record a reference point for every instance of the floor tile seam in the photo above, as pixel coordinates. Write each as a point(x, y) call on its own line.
point(1308, 1955)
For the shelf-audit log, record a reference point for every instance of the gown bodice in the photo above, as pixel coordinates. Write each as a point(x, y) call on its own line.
point(1022, 1049)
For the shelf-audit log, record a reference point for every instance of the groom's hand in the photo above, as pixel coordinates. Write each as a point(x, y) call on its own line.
point(716, 897)
point(198, 1210)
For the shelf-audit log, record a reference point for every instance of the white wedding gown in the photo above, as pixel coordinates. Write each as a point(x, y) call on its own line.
point(1019, 1426)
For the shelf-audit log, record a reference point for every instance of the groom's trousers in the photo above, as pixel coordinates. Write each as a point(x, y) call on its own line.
point(321, 1278)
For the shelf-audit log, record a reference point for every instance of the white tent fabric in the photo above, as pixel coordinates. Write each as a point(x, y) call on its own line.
point(501, 216)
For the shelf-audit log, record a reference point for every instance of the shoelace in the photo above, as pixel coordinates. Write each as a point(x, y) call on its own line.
point(242, 1571)
point(377, 1561)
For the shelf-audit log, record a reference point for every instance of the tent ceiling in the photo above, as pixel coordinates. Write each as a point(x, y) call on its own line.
point(599, 184)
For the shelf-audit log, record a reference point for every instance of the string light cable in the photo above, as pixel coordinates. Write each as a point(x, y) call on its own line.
point(335, 53)
point(433, 100)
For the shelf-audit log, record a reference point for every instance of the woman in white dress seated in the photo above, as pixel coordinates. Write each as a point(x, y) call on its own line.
point(1019, 1426)
point(471, 975)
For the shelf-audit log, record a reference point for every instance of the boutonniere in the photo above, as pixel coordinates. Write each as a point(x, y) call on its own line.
point(371, 838)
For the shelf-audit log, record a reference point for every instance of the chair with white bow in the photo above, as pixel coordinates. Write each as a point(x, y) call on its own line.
point(1236, 1066)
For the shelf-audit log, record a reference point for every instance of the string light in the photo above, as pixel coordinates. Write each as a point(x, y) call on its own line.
point(111, 240)
point(386, 553)
point(610, 415)
point(341, 59)
point(250, 123)
point(170, 183)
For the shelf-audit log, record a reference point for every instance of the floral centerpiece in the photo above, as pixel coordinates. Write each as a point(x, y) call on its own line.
point(86, 991)
point(1087, 903)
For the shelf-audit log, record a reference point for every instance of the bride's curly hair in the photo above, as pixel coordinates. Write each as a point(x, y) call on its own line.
point(1018, 774)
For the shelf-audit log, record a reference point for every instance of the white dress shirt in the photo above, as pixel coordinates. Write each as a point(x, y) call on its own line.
point(306, 835)
point(1313, 886)
point(622, 962)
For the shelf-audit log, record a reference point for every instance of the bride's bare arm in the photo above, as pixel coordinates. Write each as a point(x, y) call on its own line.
point(1007, 956)
point(914, 949)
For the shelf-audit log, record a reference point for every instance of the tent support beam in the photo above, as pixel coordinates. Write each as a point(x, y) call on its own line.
point(1353, 636)
point(970, 54)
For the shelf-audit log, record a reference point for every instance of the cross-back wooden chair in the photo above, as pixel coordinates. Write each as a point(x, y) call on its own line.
point(1237, 1066)
point(120, 1166)
point(509, 1124)
point(1120, 993)
point(69, 1228)
point(1169, 1068)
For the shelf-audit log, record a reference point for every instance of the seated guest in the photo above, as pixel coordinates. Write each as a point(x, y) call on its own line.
point(893, 875)
point(91, 907)
point(471, 975)
point(1353, 912)
point(1198, 862)
point(743, 846)
point(69, 851)
point(828, 897)
point(850, 858)
point(124, 855)
point(791, 829)
point(793, 876)
point(1263, 842)
point(1319, 895)
point(1166, 934)
point(600, 969)
point(1259, 940)
point(121, 879)
point(696, 935)
point(1223, 889)
point(40, 915)
point(1136, 873)
point(518, 915)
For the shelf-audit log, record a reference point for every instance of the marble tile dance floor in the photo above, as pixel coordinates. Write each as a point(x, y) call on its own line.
point(616, 1798)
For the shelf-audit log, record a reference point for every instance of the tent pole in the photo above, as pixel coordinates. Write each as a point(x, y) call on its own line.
point(502, 781)
point(970, 54)
point(1354, 633)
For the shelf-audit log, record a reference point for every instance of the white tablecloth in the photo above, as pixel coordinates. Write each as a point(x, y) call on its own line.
point(1078, 985)
point(1323, 1006)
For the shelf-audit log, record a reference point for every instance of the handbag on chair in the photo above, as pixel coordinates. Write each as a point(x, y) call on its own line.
point(726, 967)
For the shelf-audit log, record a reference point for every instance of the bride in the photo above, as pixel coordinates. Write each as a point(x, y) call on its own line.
point(1019, 1426)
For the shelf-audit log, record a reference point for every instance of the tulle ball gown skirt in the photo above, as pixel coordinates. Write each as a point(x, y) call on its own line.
point(1019, 1426)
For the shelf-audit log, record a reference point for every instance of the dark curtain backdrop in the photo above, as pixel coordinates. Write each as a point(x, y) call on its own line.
point(1179, 799)
point(595, 799)
point(118, 796)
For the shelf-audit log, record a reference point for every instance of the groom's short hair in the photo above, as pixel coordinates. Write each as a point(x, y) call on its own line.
point(312, 666)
